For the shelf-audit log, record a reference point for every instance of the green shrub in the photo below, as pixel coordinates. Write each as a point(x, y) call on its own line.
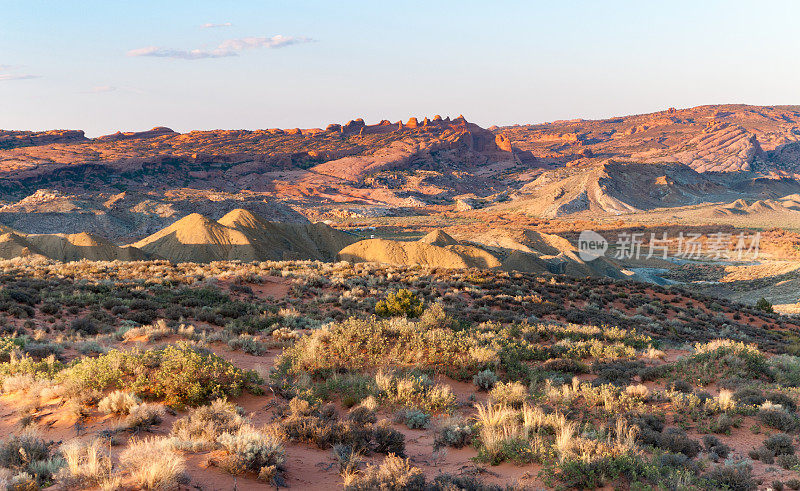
point(485, 380)
point(780, 444)
point(401, 304)
point(764, 305)
point(453, 433)
point(787, 461)
point(180, 374)
point(778, 419)
point(738, 477)
point(415, 419)
point(675, 440)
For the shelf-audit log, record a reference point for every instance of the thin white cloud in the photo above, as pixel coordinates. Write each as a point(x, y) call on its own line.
point(211, 25)
point(14, 76)
point(103, 88)
point(230, 47)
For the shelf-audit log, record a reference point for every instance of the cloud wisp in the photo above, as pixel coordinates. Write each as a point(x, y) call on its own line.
point(100, 89)
point(4, 75)
point(212, 25)
point(229, 47)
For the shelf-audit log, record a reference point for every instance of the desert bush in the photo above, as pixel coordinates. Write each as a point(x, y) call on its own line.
point(85, 325)
point(715, 448)
point(403, 303)
point(143, 416)
point(201, 428)
point(414, 418)
point(786, 369)
point(347, 459)
point(787, 462)
point(248, 344)
point(780, 444)
point(415, 392)
point(256, 451)
point(781, 399)
point(453, 432)
point(723, 358)
point(738, 476)
point(152, 464)
point(179, 374)
point(485, 380)
point(764, 305)
point(18, 451)
point(387, 440)
point(118, 402)
point(29, 456)
point(320, 426)
point(762, 453)
point(675, 440)
point(722, 424)
point(778, 419)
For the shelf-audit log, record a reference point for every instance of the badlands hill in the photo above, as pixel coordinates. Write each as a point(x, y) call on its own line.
point(239, 235)
point(64, 247)
point(244, 236)
point(522, 250)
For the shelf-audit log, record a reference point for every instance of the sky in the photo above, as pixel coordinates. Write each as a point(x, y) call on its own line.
point(104, 66)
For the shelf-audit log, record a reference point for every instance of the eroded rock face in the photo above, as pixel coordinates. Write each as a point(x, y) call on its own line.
point(556, 169)
point(157, 131)
point(15, 139)
point(721, 147)
point(721, 138)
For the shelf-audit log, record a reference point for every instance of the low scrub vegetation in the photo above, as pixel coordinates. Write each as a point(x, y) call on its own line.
point(589, 383)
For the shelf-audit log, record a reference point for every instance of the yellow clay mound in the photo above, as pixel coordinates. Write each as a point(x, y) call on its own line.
point(417, 254)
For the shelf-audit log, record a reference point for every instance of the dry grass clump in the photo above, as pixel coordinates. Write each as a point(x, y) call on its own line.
point(252, 450)
point(88, 464)
point(153, 464)
point(505, 433)
point(153, 332)
point(204, 425)
point(394, 473)
point(145, 415)
point(416, 392)
point(511, 394)
point(118, 402)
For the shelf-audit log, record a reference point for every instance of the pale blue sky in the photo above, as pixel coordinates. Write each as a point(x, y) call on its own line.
point(70, 64)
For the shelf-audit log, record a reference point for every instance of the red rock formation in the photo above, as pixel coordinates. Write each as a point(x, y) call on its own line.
point(118, 136)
